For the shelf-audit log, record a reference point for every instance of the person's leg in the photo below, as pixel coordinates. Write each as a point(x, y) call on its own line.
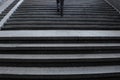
point(58, 2)
point(62, 6)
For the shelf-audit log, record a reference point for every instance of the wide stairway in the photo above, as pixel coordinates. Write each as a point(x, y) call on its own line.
point(78, 14)
point(36, 43)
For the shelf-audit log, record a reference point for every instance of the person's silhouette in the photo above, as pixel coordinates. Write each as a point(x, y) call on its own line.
point(60, 6)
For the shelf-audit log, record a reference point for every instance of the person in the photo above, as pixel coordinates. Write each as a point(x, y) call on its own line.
point(60, 6)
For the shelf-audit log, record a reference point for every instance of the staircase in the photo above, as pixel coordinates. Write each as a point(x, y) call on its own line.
point(8, 9)
point(78, 15)
point(37, 43)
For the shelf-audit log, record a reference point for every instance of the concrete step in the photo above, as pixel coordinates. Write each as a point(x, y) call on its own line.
point(61, 27)
point(60, 72)
point(65, 19)
point(60, 33)
point(72, 14)
point(65, 11)
point(58, 48)
point(67, 8)
point(66, 16)
point(59, 60)
point(61, 23)
point(58, 39)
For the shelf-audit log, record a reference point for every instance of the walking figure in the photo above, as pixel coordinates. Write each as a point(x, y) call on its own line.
point(60, 6)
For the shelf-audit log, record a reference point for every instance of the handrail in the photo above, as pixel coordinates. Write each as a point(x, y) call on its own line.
point(2, 22)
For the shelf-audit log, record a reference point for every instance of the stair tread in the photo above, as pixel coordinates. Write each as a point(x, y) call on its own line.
point(91, 10)
point(61, 27)
point(62, 45)
point(60, 56)
point(62, 22)
point(60, 33)
point(64, 19)
point(56, 16)
point(59, 70)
